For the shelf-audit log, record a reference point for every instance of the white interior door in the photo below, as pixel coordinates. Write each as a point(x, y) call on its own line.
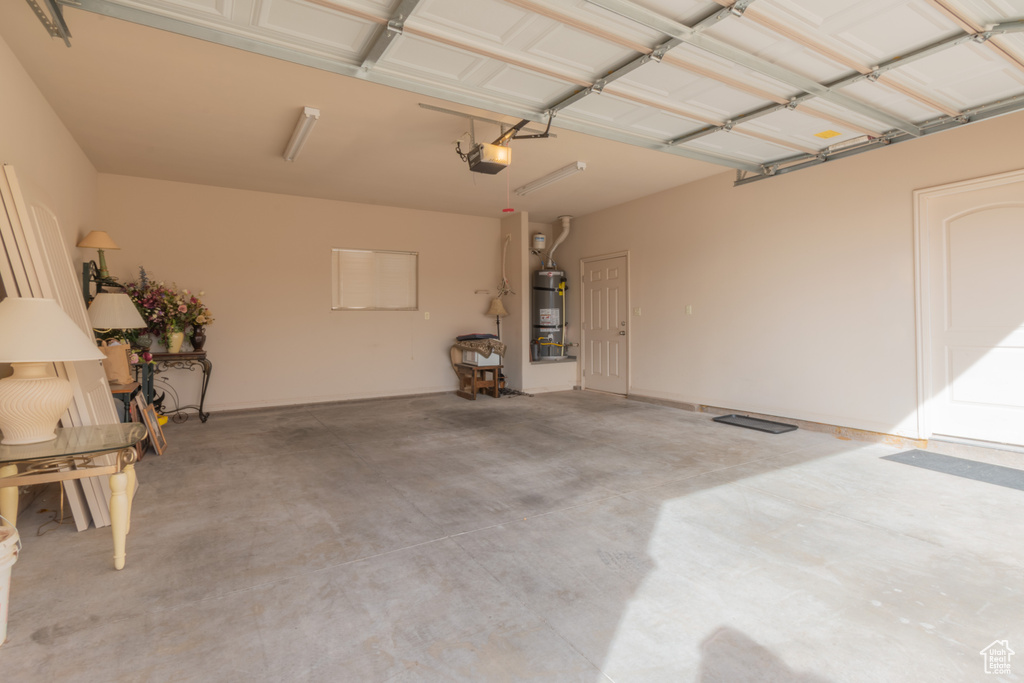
point(605, 329)
point(971, 247)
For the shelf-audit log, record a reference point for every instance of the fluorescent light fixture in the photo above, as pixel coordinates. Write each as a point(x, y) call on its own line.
point(544, 181)
point(303, 128)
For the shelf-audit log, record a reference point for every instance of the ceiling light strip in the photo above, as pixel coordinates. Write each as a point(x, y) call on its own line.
point(553, 177)
point(705, 42)
point(304, 126)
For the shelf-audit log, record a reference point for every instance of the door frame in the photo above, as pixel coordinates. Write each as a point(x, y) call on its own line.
point(583, 330)
point(923, 282)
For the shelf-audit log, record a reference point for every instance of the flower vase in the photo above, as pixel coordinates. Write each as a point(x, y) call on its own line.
point(175, 340)
point(198, 337)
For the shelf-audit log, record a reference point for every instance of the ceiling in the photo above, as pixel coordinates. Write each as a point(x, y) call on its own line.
point(650, 94)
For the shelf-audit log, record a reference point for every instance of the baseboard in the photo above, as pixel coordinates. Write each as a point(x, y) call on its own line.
point(838, 431)
point(241, 407)
point(681, 405)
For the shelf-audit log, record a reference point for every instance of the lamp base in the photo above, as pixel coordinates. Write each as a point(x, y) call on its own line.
point(32, 400)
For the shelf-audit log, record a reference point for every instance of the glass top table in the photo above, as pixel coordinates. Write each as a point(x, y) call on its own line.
point(78, 441)
point(77, 453)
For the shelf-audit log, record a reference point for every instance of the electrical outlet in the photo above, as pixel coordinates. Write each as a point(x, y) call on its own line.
point(689, 309)
point(426, 316)
point(636, 311)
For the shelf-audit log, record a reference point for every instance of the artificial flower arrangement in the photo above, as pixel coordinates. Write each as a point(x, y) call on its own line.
point(165, 309)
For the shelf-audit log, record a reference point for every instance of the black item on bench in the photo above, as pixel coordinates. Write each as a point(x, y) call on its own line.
point(755, 423)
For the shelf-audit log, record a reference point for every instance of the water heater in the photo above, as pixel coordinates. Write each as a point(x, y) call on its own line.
point(548, 332)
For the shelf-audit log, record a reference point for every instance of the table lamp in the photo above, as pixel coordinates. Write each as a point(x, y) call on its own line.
point(99, 240)
point(497, 309)
point(34, 333)
point(114, 311)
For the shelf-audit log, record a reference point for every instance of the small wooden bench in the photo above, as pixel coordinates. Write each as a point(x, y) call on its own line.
point(473, 379)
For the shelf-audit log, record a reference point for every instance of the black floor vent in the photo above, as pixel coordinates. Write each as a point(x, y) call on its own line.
point(755, 423)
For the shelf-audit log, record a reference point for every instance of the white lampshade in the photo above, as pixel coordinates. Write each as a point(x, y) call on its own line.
point(33, 330)
point(114, 311)
point(97, 239)
point(497, 308)
point(33, 334)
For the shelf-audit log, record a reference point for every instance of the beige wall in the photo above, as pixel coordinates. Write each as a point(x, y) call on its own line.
point(802, 286)
point(515, 325)
point(50, 165)
point(264, 263)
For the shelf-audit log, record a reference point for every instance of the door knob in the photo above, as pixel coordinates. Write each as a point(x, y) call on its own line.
point(623, 333)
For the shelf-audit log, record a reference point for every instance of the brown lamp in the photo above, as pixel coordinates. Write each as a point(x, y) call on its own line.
point(497, 309)
point(99, 240)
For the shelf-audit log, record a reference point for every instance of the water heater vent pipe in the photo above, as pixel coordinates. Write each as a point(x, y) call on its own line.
point(561, 238)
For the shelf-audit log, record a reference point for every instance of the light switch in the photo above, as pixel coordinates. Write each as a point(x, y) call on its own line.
point(689, 309)
point(426, 316)
point(636, 311)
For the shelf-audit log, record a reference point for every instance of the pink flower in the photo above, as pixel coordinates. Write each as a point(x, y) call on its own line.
point(182, 308)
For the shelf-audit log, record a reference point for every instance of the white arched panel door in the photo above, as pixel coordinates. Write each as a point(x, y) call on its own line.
point(971, 253)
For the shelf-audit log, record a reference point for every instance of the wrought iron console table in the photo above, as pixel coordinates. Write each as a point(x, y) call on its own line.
point(191, 361)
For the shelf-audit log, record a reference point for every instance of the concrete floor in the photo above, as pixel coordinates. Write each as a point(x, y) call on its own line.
point(563, 537)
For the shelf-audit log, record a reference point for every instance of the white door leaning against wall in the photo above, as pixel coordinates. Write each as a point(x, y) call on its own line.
point(971, 305)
